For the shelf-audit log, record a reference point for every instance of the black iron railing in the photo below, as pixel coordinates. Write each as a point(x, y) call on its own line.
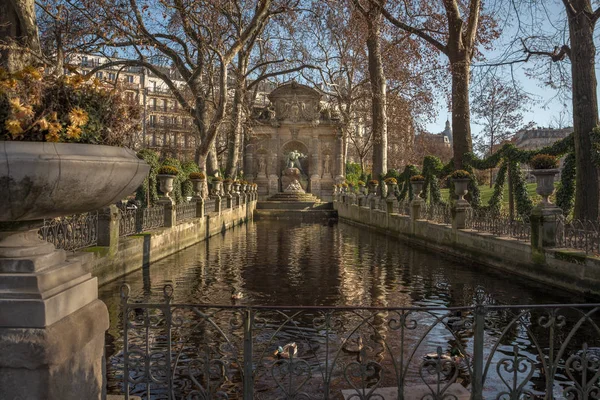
point(578, 234)
point(73, 232)
point(174, 351)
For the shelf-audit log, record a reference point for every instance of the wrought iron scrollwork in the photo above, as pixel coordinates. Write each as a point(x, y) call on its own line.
point(507, 352)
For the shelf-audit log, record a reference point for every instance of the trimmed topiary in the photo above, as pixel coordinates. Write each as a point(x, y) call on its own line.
point(417, 178)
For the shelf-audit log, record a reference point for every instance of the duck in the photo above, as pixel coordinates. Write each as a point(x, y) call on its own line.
point(284, 352)
point(455, 355)
point(456, 321)
point(236, 295)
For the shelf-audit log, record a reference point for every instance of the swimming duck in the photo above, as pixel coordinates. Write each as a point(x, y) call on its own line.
point(284, 352)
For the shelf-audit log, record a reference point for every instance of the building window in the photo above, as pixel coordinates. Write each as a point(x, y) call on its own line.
point(111, 76)
point(153, 123)
point(154, 107)
point(84, 61)
point(165, 104)
point(99, 75)
point(129, 78)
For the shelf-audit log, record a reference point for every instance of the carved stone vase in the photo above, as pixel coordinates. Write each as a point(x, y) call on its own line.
point(545, 184)
point(461, 188)
point(52, 324)
point(417, 188)
point(165, 183)
point(197, 186)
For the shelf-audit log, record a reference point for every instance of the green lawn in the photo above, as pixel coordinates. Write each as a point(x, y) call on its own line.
point(486, 193)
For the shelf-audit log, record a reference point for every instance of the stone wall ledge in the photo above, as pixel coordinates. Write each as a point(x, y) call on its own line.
point(139, 250)
point(562, 268)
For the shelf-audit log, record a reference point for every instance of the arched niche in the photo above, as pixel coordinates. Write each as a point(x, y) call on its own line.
point(300, 147)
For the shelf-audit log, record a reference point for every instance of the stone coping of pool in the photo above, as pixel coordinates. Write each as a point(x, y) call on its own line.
point(412, 392)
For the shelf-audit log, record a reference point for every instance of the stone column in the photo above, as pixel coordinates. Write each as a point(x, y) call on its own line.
point(249, 163)
point(459, 217)
point(170, 217)
point(108, 228)
point(416, 208)
point(52, 324)
point(199, 206)
point(273, 172)
point(315, 165)
point(544, 221)
point(340, 169)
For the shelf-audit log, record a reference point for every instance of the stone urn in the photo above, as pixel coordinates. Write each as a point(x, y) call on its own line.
point(245, 187)
point(461, 188)
point(227, 185)
point(373, 188)
point(236, 187)
point(417, 188)
point(545, 184)
point(361, 189)
point(391, 188)
point(165, 183)
point(197, 185)
point(48, 180)
point(217, 187)
point(52, 324)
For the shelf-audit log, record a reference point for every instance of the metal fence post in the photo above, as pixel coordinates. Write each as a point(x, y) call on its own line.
point(248, 370)
point(477, 385)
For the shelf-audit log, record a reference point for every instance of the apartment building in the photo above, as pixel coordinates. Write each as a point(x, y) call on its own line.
point(166, 128)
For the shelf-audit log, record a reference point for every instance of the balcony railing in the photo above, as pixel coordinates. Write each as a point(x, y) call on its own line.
point(490, 351)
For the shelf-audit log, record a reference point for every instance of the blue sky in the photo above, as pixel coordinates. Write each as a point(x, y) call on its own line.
point(548, 109)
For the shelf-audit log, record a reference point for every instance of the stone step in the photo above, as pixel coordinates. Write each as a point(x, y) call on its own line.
point(324, 216)
point(293, 205)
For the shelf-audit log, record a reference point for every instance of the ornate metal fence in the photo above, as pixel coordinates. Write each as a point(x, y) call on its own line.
point(141, 220)
point(193, 351)
point(73, 232)
point(578, 234)
point(185, 211)
point(404, 207)
point(128, 222)
point(209, 205)
point(500, 224)
point(153, 217)
point(440, 213)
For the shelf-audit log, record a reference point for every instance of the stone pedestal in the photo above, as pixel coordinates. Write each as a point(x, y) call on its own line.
point(108, 228)
point(170, 217)
point(199, 206)
point(459, 217)
point(416, 208)
point(51, 322)
point(544, 218)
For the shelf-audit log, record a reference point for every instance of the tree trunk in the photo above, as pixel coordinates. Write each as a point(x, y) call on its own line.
point(585, 110)
point(461, 115)
point(378, 93)
point(233, 155)
point(212, 161)
point(18, 28)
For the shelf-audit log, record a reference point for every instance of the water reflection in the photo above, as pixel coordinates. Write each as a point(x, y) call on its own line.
point(282, 263)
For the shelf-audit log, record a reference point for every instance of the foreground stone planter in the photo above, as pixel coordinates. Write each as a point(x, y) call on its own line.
point(47, 180)
point(52, 324)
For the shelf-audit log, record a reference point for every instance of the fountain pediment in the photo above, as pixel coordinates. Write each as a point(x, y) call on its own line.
point(296, 103)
